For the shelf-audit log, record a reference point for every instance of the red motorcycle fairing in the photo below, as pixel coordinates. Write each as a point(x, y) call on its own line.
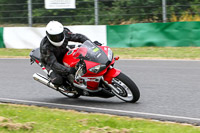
point(91, 74)
point(69, 60)
point(91, 79)
point(92, 82)
point(111, 73)
point(92, 85)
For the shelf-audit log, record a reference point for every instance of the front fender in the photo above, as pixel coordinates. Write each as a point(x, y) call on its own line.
point(110, 74)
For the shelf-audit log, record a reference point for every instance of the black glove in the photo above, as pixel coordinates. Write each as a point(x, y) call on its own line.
point(72, 71)
point(97, 43)
point(71, 78)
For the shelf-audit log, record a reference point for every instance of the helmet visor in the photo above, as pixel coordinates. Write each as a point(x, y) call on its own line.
point(56, 38)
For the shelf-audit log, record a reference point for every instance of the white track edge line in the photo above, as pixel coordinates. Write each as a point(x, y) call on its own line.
point(103, 109)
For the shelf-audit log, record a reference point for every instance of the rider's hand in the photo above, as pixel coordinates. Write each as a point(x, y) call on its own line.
point(72, 71)
point(71, 78)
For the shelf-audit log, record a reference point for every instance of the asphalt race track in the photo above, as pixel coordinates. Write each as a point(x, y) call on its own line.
point(170, 90)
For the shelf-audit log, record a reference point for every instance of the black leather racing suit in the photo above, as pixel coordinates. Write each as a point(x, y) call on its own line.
point(51, 56)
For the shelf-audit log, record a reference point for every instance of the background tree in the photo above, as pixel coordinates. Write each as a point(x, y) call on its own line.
point(110, 12)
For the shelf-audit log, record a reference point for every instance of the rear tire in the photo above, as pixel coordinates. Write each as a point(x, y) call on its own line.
point(126, 89)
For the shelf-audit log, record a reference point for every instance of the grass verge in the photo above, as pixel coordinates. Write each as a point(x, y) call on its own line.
point(14, 53)
point(21, 118)
point(158, 53)
point(127, 53)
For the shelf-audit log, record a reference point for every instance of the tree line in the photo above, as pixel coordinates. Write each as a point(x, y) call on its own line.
point(111, 12)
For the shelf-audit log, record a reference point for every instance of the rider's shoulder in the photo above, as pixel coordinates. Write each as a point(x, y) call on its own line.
point(45, 44)
point(44, 41)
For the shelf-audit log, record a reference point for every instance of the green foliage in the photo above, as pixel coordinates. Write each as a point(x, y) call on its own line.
point(13, 11)
point(179, 8)
point(110, 11)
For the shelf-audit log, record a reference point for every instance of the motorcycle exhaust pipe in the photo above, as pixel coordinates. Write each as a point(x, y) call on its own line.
point(42, 79)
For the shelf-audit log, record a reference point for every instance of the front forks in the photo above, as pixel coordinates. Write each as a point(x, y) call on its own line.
point(108, 78)
point(113, 88)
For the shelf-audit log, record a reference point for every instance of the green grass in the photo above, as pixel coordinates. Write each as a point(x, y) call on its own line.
point(11, 53)
point(158, 52)
point(128, 53)
point(44, 120)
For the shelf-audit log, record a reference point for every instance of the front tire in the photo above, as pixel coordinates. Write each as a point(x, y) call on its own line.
point(125, 88)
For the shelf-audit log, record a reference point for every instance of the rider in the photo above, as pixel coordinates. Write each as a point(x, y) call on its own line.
point(53, 48)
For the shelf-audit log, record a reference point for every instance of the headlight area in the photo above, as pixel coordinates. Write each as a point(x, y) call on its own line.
point(110, 54)
point(97, 68)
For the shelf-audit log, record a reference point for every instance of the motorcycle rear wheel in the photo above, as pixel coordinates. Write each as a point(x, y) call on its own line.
point(125, 88)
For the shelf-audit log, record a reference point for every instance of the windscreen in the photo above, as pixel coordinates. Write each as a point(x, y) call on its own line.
point(91, 52)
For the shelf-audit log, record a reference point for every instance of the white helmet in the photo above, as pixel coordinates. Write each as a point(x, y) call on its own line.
point(55, 34)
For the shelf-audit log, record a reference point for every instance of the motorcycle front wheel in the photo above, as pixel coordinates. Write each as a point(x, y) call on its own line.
point(125, 89)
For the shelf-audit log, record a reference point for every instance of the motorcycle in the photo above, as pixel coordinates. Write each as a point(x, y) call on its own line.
point(95, 74)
